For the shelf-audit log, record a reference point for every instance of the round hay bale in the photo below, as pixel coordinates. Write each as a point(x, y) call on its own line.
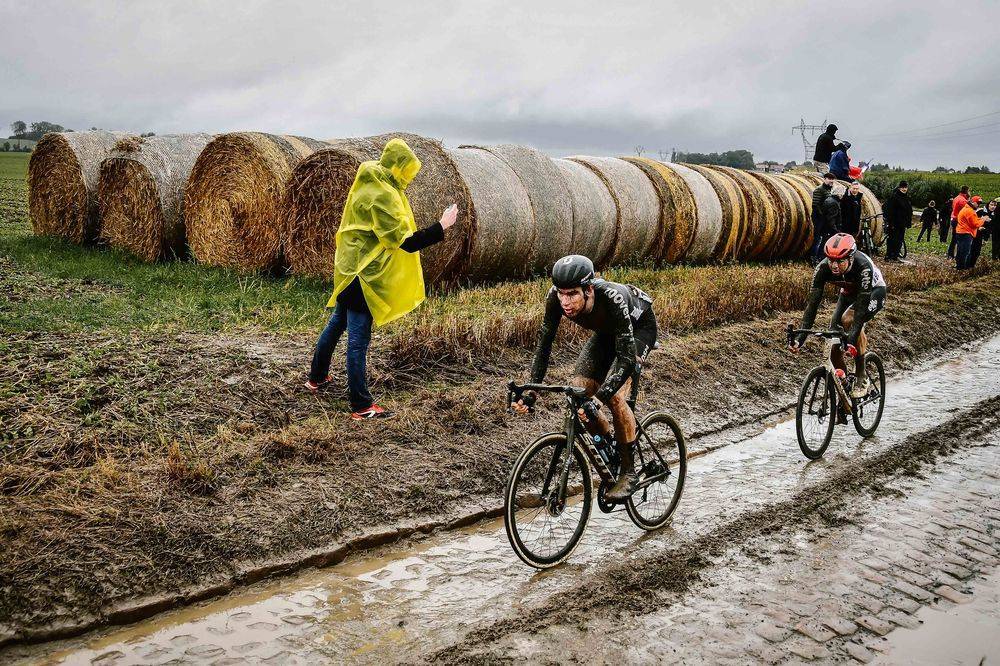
point(316, 192)
point(800, 223)
point(677, 209)
point(595, 213)
point(796, 215)
point(760, 214)
point(232, 203)
point(803, 233)
point(141, 193)
point(780, 206)
point(708, 214)
point(500, 216)
point(63, 174)
point(638, 207)
point(551, 201)
point(733, 212)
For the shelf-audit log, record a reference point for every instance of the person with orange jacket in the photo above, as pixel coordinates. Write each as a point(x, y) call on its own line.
point(965, 231)
point(957, 204)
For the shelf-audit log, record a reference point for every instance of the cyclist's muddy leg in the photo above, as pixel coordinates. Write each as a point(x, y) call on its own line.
point(860, 370)
point(842, 316)
point(600, 425)
point(625, 426)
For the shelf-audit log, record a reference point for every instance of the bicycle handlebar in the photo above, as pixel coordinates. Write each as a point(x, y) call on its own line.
point(516, 392)
point(792, 333)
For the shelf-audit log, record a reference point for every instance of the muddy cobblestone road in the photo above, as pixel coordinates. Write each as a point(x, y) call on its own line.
point(769, 559)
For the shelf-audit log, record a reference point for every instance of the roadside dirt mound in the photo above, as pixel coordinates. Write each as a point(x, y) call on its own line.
point(203, 462)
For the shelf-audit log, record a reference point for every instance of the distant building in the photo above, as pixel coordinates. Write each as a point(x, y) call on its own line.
point(770, 167)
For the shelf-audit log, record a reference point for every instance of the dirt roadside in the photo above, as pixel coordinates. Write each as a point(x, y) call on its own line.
point(98, 531)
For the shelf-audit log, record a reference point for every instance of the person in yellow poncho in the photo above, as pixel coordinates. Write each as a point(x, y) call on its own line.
point(377, 276)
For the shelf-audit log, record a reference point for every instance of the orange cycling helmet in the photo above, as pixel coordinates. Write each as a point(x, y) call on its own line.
point(840, 246)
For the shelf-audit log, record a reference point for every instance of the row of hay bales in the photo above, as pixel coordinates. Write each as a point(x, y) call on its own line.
point(254, 201)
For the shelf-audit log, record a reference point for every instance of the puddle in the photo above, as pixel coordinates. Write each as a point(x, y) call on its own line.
point(953, 633)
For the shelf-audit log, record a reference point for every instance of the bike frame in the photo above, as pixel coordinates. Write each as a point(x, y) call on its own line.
point(576, 431)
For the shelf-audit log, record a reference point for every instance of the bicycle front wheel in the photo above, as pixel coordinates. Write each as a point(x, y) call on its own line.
point(816, 413)
point(867, 412)
point(543, 523)
point(664, 458)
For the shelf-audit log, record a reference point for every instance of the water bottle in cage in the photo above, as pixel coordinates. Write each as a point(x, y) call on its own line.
point(608, 452)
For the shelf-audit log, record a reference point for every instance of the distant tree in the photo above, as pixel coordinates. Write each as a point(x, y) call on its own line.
point(144, 134)
point(6, 146)
point(807, 163)
point(972, 169)
point(940, 169)
point(93, 129)
point(790, 165)
point(738, 159)
point(18, 127)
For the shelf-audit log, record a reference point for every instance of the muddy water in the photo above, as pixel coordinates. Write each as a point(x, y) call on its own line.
point(400, 602)
point(961, 634)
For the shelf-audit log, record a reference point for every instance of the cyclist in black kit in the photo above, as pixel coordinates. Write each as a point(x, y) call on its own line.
point(624, 327)
point(862, 296)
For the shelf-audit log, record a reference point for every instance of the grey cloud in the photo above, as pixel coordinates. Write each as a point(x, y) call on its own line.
point(567, 77)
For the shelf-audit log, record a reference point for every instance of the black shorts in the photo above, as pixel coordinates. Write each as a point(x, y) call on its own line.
point(598, 353)
point(845, 303)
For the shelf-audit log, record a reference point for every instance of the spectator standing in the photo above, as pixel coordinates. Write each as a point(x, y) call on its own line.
point(840, 163)
point(826, 145)
point(377, 274)
point(927, 220)
point(957, 205)
point(995, 227)
point(819, 219)
point(850, 210)
point(985, 213)
point(898, 213)
point(945, 220)
point(965, 232)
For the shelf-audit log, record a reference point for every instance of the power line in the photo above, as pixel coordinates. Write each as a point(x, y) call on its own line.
point(923, 129)
point(932, 137)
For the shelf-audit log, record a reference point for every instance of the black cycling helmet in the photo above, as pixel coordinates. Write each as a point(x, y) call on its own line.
point(571, 271)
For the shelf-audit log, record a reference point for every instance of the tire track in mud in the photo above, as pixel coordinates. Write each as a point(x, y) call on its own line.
point(630, 587)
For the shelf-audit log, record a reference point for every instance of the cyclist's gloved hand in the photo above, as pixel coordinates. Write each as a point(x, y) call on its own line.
point(852, 350)
point(525, 403)
point(589, 410)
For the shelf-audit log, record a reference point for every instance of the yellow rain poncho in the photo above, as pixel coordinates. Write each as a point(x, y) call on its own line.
point(377, 219)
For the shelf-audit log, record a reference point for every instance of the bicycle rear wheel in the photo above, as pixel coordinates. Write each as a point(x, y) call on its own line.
point(867, 412)
point(816, 413)
point(543, 527)
point(653, 506)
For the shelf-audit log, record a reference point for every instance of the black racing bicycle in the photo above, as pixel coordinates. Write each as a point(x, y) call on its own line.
point(827, 389)
point(549, 495)
point(866, 241)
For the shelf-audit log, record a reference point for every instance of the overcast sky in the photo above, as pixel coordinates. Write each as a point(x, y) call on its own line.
point(568, 77)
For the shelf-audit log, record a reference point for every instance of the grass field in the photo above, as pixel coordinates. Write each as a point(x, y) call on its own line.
point(75, 288)
point(985, 185)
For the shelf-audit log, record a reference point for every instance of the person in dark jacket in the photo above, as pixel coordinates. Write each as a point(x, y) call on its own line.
point(840, 163)
point(818, 218)
point(898, 213)
point(985, 214)
point(928, 219)
point(850, 211)
point(995, 230)
point(826, 145)
point(944, 223)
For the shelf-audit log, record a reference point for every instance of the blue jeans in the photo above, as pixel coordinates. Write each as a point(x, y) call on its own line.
point(963, 250)
point(359, 335)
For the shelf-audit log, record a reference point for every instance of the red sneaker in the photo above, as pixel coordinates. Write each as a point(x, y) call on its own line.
point(314, 387)
point(373, 412)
